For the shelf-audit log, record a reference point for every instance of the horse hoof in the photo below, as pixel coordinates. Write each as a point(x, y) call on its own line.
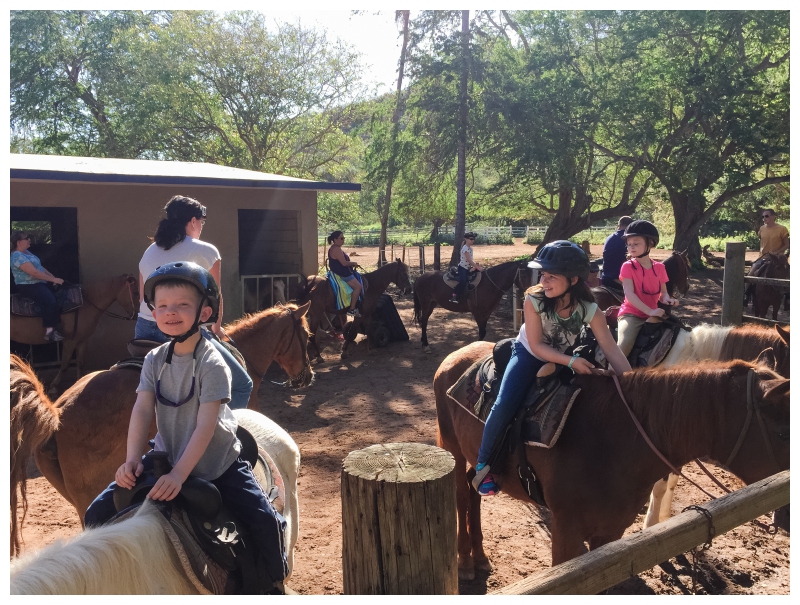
point(426, 350)
point(466, 575)
point(483, 565)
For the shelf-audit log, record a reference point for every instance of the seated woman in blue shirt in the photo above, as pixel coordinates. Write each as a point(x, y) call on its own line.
point(32, 280)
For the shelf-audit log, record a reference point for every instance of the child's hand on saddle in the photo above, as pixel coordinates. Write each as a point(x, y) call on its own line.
point(167, 487)
point(657, 313)
point(581, 366)
point(668, 300)
point(127, 473)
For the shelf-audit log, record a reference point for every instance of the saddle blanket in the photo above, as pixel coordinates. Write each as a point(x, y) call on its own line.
point(450, 277)
point(548, 404)
point(70, 298)
point(342, 291)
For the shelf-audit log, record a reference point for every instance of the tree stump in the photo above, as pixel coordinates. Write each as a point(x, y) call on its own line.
point(399, 520)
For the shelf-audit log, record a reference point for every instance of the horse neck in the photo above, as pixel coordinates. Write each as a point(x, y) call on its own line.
point(380, 279)
point(260, 339)
point(102, 293)
point(130, 557)
point(503, 275)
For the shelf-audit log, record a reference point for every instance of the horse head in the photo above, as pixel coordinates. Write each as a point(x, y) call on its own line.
point(678, 284)
point(402, 279)
point(293, 358)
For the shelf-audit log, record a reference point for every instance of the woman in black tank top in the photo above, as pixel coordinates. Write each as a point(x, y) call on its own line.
point(341, 265)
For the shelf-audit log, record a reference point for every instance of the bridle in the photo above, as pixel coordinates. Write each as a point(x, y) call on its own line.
point(752, 406)
point(134, 310)
point(294, 381)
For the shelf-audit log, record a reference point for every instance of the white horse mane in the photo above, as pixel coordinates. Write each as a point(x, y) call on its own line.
point(133, 556)
point(703, 342)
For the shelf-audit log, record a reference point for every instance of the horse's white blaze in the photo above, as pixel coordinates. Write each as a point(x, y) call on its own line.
point(135, 556)
point(130, 557)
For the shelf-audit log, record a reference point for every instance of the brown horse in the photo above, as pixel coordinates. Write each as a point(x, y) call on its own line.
point(775, 266)
point(430, 290)
point(317, 290)
point(80, 457)
point(80, 324)
point(677, 266)
point(598, 475)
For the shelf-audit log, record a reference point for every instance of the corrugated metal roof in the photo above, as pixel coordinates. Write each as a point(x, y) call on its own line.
point(155, 172)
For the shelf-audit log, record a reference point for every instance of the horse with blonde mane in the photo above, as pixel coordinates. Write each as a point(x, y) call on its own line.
point(135, 555)
point(80, 440)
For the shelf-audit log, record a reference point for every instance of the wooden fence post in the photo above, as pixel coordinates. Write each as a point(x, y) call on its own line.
point(437, 256)
point(733, 284)
point(422, 259)
point(399, 520)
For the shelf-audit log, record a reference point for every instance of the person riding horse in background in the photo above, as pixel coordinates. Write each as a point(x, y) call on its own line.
point(555, 310)
point(644, 282)
point(32, 280)
point(614, 254)
point(177, 238)
point(187, 385)
point(341, 265)
point(593, 280)
point(774, 237)
point(465, 265)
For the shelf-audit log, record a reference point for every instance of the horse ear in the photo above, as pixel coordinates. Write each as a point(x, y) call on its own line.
point(131, 280)
point(301, 310)
point(767, 358)
point(775, 390)
point(783, 332)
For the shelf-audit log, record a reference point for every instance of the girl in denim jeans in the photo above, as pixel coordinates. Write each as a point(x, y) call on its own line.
point(554, 311)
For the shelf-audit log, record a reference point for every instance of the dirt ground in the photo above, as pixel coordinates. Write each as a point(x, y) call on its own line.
point(385, 395)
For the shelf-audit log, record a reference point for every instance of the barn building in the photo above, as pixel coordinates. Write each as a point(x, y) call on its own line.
point(98, 215)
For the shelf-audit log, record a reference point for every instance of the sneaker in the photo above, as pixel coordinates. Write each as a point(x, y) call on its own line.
point(354, 313)
point(488, 486)
point(453, 298)
point(53, 336)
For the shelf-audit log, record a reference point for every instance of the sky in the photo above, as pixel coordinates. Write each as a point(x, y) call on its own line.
point(372, 32)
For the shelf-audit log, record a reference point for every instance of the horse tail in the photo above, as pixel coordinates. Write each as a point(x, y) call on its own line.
point(34, 419)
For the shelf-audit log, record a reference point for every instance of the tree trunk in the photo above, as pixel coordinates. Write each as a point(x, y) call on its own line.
point(435, 231)
point(390, 173)
point(688, 220)
point(461, 179)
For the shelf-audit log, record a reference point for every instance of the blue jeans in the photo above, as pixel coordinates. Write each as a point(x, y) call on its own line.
point(463, 278)
point(245, 498)
point(241, 384)
point(46, 299)
point(520, 374)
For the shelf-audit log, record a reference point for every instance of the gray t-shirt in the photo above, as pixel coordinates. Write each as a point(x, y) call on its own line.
point(176, 424)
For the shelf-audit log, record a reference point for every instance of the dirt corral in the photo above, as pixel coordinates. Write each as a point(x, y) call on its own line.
point(385, 395)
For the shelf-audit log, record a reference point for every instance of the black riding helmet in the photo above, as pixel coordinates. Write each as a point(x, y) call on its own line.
point(563, 258)
point(192, 274)
point(644, 229)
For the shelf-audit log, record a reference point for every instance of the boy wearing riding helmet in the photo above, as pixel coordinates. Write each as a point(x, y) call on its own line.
point(187, 385)
point(644, 282)
point(554, 310)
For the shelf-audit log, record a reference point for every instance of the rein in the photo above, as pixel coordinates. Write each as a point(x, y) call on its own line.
point(751, 406)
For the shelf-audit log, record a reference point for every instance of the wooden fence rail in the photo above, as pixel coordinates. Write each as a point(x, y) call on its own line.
point(615, 562)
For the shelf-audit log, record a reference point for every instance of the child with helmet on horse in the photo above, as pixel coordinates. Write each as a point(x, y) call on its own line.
point(644, 282)
point(465, 265)
point(186, 384)
point(554, 310)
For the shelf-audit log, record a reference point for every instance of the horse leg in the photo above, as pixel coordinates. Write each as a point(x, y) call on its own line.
point(80, 349)
point(666, 503)
point(567, 541)
point(423, 323)
point(482, 562)
point(654, 507)
point(69, 346)
point(482, 327)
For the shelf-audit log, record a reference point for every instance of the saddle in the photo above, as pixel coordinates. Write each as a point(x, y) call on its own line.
point(450, 277)
point(69, 296)
point(540, 419)
point(208, 539)
point(653, 343)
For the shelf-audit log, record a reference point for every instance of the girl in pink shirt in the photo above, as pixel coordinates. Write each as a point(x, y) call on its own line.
point(644, 282)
